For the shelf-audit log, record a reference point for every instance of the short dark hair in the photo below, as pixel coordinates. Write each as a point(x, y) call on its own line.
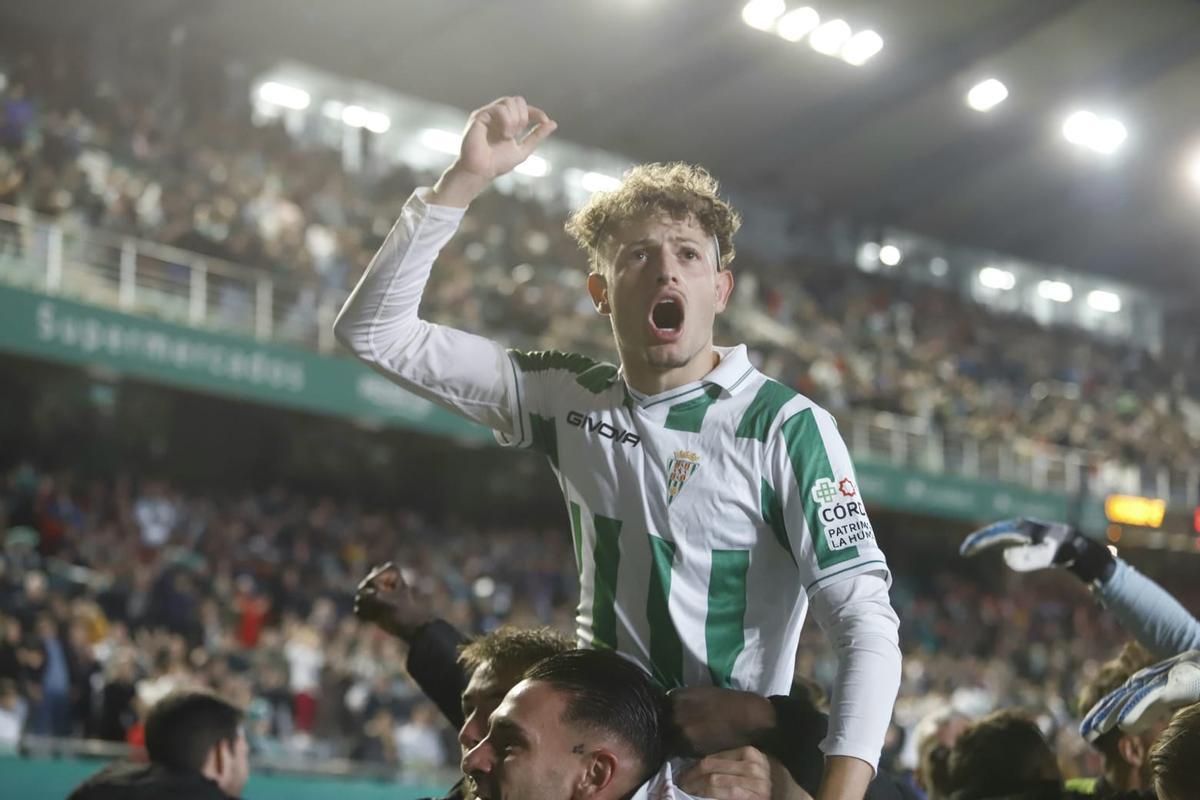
point(1003, 753)
point(513, 649)
point(184, 726)
point(1174, 756)
point(610, 694)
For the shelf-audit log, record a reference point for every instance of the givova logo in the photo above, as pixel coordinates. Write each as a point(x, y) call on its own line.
point(602, 429)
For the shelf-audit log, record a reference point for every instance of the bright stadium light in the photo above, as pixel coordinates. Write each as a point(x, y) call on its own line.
point(1104, 301)
point(1057, 291)
point(762, 14)
point(996, 278)
point(1110, 137)
point(795, 25)
point(1099, 134)
point(281, 94)
point(829, 38)
point(939, 266)
point(1193, 170)
point(441, 141)
point(862, 47)
point(986, 95)
point(333, 109)
point(599, 182)
point(534, 167)
point(889, 255)
point(374, 121)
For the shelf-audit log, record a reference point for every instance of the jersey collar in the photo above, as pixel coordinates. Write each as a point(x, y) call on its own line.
point(731, 375)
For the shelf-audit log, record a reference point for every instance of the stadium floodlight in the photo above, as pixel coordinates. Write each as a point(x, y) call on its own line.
point(280, 94)
point(1104, 301)
point(986, 95)
point(761, 14)
point(1057, 291)
point(890, 255)
point(534, 167)
point(996, 278)
point(1193, 170)
point(374, 121)
point(1099, 134)
point(333, 109)
point(862, 47)
point(795, 25)
point(829, 38)
point(441, 141)
point(599, 182)
point(939, 266)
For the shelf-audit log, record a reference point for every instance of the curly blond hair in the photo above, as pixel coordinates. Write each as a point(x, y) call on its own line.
point(678, 189)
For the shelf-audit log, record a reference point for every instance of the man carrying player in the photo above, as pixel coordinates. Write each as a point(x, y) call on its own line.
point(710, 506)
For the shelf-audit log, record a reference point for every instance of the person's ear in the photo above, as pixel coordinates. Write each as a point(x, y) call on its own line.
point(1132, 750)
point(597, 286)
point(724, 289)
point(599, 772)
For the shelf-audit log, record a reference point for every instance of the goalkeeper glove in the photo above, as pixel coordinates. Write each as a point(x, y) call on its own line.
point(1147, 698)
point(1031, 544)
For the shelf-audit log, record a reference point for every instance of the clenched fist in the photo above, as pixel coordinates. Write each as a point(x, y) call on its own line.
point(498, 137)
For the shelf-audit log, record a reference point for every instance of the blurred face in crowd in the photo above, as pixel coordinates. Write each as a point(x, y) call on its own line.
point(662, 289)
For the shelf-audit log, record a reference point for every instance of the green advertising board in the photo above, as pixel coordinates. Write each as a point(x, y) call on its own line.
point(57, 329)
point(46, 778)
point(48, 327)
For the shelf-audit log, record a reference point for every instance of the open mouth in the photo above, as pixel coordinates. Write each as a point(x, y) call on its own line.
point(667, 315)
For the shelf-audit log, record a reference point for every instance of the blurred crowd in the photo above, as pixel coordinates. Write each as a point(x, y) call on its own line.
point(113, 592)
point(221, 185)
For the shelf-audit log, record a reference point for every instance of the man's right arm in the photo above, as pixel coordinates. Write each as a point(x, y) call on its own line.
point(466, 374)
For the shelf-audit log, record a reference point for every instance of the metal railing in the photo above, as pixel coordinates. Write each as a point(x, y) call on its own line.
point(166, 283)
point(188, 289)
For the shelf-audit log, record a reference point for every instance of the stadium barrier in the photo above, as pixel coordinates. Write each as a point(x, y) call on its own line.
point(82, 296)
point(44, 768)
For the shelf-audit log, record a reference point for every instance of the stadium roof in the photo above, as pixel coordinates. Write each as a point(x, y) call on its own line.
point(892, 141)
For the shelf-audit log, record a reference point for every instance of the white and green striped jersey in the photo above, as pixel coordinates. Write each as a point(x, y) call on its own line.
point(702, 517)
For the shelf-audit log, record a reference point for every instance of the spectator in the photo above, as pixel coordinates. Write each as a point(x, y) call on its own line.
point(197, 749)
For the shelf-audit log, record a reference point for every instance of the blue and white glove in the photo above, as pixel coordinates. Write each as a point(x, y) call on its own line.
point(1148, 697)
point(1031, 544)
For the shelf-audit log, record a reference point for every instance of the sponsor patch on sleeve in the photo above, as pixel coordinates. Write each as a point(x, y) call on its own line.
point(843, 516)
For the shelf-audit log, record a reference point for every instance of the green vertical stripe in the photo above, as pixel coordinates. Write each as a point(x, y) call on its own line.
point(689, 415)
point(761, 412)
point(772, 513)
point(810, 463)
point(577, 532)
point(666, 651)
point(607, 557)
point(724, 630)
point(545, 436)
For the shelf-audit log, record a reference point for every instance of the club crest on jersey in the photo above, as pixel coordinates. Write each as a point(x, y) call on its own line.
point(679, 469)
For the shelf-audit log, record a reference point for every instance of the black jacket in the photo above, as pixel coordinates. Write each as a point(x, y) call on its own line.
point(128, 781)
